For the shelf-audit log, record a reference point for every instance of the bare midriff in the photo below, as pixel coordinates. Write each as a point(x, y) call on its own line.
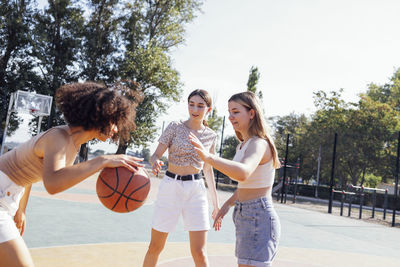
point(245, 194)
point(182, 170)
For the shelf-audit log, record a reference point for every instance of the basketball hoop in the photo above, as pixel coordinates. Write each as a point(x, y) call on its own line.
point(34, 112)
point(27, 102)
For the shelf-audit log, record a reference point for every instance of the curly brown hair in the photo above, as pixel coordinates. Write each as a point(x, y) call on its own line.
point(95, 106)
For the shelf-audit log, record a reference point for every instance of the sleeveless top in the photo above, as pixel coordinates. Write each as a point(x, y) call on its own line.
point(180, 151)
point(22, 165)
point(263, 175)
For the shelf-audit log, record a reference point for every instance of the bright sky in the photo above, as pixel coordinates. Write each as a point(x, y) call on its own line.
point(299, 47)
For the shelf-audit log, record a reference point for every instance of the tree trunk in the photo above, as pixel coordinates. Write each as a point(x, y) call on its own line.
point(363, 176)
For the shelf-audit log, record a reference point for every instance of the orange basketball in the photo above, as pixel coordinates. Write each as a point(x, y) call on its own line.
point(121, 190)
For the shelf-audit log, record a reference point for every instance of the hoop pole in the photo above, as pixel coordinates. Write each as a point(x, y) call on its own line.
point(385, 203)
point(7, 121)
point(295, 182)
point(220, 150)
point(318, 171)
point(39, 124)
point(396, 186)
point(350, 202)
point(283, 188)
point(361, 202)
point(332, 174)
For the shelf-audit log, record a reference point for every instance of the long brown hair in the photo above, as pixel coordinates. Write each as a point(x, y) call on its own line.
point(258, 125)
point(205, 96)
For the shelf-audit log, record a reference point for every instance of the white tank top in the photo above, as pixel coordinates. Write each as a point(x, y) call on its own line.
point(263, 175)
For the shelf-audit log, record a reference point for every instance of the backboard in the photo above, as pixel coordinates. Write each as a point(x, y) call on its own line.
point(39, 105)
point(21, 101)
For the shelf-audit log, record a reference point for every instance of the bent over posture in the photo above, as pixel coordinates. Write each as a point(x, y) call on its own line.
point(92, 111)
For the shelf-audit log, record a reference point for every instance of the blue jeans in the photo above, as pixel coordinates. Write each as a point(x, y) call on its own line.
point(258, 232)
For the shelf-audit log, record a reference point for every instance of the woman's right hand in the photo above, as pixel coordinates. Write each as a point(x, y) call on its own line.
point(121, 160)
point(220, 215)
point(156, 166)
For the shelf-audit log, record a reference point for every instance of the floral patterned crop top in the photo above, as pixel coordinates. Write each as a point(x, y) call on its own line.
point(180, 151)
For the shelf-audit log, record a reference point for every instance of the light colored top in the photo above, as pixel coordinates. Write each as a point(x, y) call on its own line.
point(263, 175)
point(22, 165)
point(180, 151)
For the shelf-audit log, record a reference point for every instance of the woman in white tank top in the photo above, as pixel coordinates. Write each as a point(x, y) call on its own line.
point(253, 167)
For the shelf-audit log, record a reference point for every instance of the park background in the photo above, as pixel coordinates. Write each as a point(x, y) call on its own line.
point(321, 67)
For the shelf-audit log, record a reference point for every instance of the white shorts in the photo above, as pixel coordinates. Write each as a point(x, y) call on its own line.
point(176, 197)
point(10, 195)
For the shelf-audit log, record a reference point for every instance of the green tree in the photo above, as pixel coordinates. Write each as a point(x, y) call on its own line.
point(99, 55)
point(252, 82)
point(363, 129)
point(101, 42)
point(388, 94)
point(214, 121)
point(372, 181)
point(16, 64)
point(150, 29)
point(364, 138)
point(57, 43)
point(230, 144)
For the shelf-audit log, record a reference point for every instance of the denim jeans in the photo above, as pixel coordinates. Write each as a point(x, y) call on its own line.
point(257, 232)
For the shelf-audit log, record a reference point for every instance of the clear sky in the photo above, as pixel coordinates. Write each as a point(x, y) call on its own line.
point(299, 47)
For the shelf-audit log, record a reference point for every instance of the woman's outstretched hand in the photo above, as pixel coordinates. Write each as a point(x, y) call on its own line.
point(199, 148)
point(217, 224)
point(220, 215)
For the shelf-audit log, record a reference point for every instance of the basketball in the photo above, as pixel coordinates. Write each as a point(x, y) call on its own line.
point(121, 190)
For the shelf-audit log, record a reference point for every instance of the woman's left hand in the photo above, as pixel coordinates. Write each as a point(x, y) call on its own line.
point(198, 146)
point(122, 160)
point(217, 224)
point(20, 221)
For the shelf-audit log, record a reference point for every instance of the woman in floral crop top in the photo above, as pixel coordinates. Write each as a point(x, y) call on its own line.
point(182, 190)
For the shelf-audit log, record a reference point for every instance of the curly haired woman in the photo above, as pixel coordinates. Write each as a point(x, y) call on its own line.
point(92, 111)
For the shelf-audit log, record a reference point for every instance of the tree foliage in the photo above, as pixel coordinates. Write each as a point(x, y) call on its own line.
point(214, 121)
point(367, 129)
point(100, 40)
point(16, 65)
point(252, 82)
point(149, 30)
point(230, 144)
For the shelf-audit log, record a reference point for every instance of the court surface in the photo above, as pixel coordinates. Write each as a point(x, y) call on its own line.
point(74, 229)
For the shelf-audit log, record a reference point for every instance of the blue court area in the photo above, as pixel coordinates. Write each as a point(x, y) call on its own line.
point(77, 229)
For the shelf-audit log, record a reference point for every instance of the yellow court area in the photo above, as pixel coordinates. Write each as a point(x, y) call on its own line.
point(178, 255)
